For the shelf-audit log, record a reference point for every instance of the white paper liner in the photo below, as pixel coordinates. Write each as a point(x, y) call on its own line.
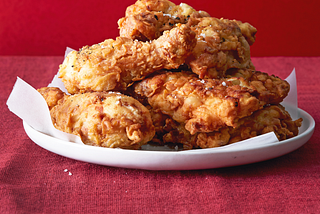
point(28, 104)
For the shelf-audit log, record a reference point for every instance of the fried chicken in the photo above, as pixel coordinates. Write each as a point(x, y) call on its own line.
point(116, 64)
point(202, 105)
point(220, 46)
point(222, 101)
point(268, 89)
point(105, 119)
point(271, 89)
point(248, 31)
point(148, 19)
point(221, 43)
point(273, 118)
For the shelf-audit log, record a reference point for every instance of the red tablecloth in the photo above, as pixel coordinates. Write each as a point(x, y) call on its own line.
point(33, 180)
point(32, 27)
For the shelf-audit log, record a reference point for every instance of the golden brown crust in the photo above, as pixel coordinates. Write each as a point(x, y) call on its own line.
point(203, 105)
point(116, 64)
point(270, 89)
point(223, 101)
point(248, 31)
point(272, 118)
point(220, 46)
point(148, 19)
point(221, 43)
point(102, 119)
point(52, 95)
point(149, 5)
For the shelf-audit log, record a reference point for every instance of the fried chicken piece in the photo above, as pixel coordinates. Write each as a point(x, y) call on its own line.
point(271, 89)
point(105, 119)
point(166, 7)
point(116, 64)
point(248, 31)
point(52, 95)
point(160, 123)
point(221, 45)
point(148, 19)
point(271, 118)
point(202, 105)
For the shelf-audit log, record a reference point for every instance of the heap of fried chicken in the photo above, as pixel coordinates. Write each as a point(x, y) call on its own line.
point(174, 75)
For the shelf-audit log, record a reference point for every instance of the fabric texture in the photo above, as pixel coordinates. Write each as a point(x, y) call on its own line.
point(34, 180)
point(31, 27)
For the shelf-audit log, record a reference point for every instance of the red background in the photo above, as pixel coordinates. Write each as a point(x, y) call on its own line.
point(29, 27)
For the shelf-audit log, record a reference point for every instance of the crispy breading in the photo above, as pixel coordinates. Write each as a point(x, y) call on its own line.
point(248, 31)
point(105, 119)
point(148, 19)
point(52, 95)
point(203, 105)
point(273, 118)
point(222, 101)
point(164, 6)
point(116, 64)
point(160, 123)
point(271, 89)
point(220, 46)
point(221, 43)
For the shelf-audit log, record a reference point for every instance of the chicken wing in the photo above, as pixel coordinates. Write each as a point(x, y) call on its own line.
point(148, 19)
point(105, 119)
point(203, 105)
point(116, 64)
